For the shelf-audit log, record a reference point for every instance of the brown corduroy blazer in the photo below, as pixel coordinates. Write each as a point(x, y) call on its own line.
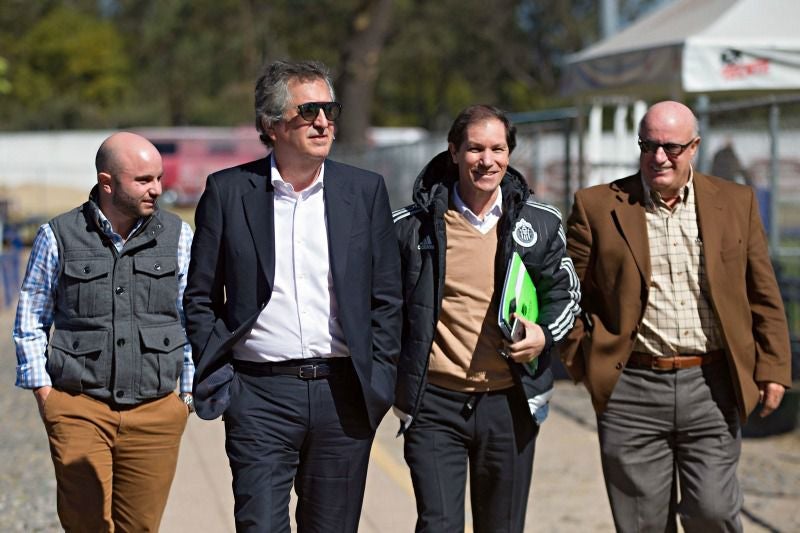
point(607, 241)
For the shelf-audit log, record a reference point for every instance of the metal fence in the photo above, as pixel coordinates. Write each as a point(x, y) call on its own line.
point(757, 142)
point(545, 155)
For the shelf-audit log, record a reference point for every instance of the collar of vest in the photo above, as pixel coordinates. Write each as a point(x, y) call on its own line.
point(151, 227)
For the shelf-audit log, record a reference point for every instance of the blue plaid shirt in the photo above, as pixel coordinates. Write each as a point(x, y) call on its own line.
point(35, 309)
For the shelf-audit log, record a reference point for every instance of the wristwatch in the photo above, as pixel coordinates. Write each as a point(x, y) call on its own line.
point(188, 399)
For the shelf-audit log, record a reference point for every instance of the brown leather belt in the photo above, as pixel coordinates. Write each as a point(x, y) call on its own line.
point(677, 362)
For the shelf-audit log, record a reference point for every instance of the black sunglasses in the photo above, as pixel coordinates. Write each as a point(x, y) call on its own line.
point(310, 111)
point(673, 149)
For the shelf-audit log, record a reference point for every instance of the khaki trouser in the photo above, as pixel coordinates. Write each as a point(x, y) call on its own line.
point(114, 466)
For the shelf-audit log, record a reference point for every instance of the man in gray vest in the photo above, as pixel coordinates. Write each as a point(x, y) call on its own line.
point(108, 277)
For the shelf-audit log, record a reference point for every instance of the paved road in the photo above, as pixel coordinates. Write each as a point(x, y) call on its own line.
point(567, 495)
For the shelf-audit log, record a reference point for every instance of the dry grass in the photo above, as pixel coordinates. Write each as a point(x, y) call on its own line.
point(33, 200)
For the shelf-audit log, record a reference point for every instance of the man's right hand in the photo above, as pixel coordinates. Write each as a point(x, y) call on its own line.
point(41, 394)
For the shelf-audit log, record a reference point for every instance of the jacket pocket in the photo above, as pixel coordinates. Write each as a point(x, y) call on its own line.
point(157, 285)
point(162, 358)
point(75, 362)
point(87, 287)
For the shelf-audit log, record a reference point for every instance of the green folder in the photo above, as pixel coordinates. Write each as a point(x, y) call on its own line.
point(519, 296)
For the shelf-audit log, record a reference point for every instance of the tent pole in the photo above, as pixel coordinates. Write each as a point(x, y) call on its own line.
point(581, 146)
point(538, 171)
point(567, 163)
point(774, 223)
point(705, 130)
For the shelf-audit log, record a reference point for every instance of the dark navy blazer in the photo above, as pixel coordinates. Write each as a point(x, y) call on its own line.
point(232, 271)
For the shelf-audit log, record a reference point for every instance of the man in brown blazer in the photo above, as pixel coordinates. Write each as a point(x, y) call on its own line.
point(683, 330)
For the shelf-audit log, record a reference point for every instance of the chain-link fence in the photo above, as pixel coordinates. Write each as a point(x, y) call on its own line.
point(543, 141)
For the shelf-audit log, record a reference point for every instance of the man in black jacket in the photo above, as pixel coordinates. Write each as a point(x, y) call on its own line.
point(459, 401)
point(293, 307)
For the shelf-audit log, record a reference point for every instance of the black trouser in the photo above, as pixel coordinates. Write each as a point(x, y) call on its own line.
point(280, 430)
point(495, 434)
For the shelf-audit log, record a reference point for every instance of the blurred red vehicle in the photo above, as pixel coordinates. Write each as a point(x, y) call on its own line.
point(190, 154)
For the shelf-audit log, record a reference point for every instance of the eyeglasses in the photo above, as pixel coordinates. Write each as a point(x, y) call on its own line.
point(310, 111)
point(673, 149)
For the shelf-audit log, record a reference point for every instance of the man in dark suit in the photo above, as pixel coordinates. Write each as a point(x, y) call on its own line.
point(683, 330)
point(293, 307)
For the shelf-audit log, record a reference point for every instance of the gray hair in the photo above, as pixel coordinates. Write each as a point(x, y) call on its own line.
point(272, 90)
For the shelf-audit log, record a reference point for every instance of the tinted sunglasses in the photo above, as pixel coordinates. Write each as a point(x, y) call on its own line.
point(673, 149)
point(310, 111)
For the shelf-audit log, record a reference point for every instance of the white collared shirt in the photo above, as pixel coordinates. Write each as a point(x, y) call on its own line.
point(489, 219)
point(300, 319)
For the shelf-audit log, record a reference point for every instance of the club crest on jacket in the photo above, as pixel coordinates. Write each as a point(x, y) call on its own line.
point(524, 234)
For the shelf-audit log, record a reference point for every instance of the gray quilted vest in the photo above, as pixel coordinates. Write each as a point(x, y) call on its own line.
point(117, 332)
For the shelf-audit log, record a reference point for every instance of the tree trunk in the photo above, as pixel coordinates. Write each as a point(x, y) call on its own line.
point(360, 59)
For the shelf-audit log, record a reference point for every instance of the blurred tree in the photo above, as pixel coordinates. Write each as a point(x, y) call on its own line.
point(194, 60)
point(361, 55)
point(88, 63)
point(67, 70)
point(5, 85)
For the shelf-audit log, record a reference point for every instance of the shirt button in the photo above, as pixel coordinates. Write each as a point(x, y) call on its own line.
point(120, 342)
point(166, 341)
point(157, 267)
point(120, 394)
point(87, 269)
point(75, 344)
point(119, 290)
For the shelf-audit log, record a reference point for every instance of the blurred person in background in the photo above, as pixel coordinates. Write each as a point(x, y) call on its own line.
point(726, 164)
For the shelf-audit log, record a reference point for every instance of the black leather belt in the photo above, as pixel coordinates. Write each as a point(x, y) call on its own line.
point(314, 368)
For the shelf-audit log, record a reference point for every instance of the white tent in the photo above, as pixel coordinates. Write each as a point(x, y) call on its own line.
point(694, 46)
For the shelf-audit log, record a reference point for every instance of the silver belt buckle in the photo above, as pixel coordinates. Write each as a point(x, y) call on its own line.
point(307, 372)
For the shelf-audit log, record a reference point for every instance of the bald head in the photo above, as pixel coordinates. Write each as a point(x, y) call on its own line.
point(669, 114)
point(129, 170)
point(669, 140)
point(121, 150)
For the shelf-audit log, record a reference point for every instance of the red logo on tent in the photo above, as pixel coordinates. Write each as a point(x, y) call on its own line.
point(735, 67)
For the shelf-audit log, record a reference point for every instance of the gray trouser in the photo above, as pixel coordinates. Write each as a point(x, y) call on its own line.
point(663, 427)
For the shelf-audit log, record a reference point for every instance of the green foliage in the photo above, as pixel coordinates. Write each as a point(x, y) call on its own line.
point(68, 69)
point(122, 63)
point(5, 85)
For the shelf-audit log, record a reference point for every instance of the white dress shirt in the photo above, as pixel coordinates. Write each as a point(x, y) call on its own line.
point(489, 220)
point(300, 319)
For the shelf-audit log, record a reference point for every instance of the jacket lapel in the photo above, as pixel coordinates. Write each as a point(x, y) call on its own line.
point(339, 217)
point(260, 214)
point(629, 214)
point(710, 211)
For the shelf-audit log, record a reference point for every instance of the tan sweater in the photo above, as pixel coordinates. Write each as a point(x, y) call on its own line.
point(464, 355)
